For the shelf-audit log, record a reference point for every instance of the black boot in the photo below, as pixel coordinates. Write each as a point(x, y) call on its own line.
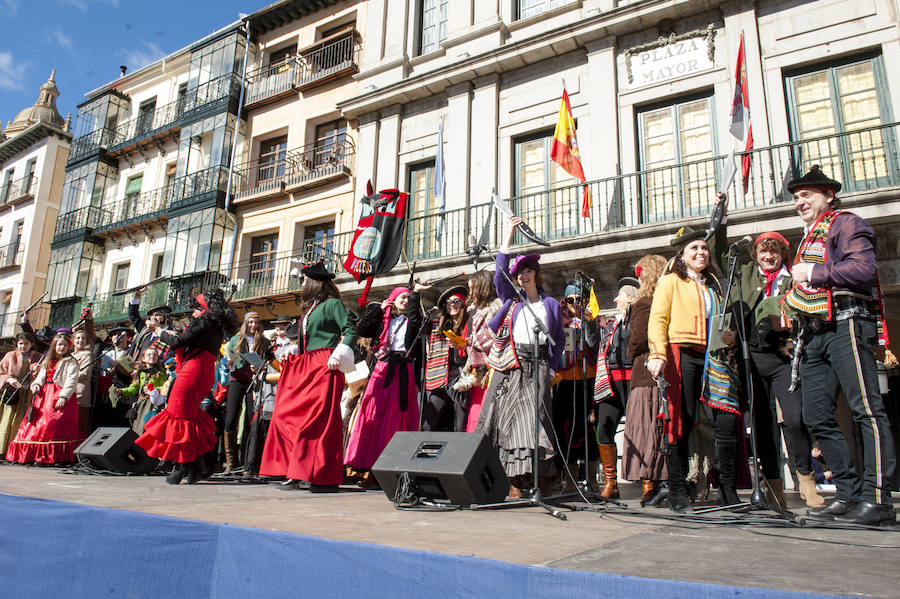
point(726, 458)
point(661, 495)
point(677, 497)
point(174, 477)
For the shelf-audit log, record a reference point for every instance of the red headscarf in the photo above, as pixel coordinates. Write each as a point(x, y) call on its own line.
point(385, 329)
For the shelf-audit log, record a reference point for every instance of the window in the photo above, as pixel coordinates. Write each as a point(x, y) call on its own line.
point(318, 244)
point(194, 241)
point(17, 248)
point(330, 143)
point(545, 197)
point(279, 59)
point(433, 24)
point(71, 267)
point(129, 205)
point(676, 150)
point(180, 98)
point(422, 225)
point(145, 116)
point(530, 8)
point(262, 259)
point(833, 102)
point(272, 155)
point(157, 270)
point(120, 276)
point(28, 179)
point(7, 182)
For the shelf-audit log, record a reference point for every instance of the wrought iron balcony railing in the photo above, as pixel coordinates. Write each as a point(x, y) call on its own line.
point(87, 217)
point(18, 190)
point(279, 273)
point(136, 208)
point(328, 60)
point(95, 140)
point(215, 89)
point(271, 80)
point(185, 189)
point(109, 307)
point(155, 121)
point(11, 254)
point(323, 61)
point(295, 168)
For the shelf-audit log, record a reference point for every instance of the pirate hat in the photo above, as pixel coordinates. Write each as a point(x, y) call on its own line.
point(814, 178)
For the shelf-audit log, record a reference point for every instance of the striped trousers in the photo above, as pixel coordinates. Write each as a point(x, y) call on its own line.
point(844, 348)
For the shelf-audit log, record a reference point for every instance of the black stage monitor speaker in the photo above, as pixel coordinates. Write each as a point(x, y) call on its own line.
point(460, 468)
point(112, 448)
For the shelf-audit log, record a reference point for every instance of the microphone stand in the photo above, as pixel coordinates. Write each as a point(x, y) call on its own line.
point(420, 391)
point(535, 498)
point(758, 497)
point(583, 489)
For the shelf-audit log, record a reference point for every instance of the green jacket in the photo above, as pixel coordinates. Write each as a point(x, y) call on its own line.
point(137, 383)
point(327, 326)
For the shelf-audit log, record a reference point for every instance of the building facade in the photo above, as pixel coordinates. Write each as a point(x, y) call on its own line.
point(333, 94)
point(33, 151)
point(651, 87)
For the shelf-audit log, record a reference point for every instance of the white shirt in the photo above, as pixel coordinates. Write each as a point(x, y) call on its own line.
point(524, 323)
point(783, 274)
point(397, 333)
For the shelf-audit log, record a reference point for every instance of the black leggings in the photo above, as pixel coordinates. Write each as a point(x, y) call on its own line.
point(724, 423)
point(610, 412)
point(771, 378)
point(442, 413)
point(237, 392)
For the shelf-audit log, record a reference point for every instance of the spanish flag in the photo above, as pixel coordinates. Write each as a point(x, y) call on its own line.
point(565, 150)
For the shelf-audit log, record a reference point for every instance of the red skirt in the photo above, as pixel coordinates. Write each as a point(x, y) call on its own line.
point(182, 432)
point(52, 435)
point(305, 439)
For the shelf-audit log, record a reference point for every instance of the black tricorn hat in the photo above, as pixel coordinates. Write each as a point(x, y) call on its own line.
point(685, 235)
point(456, 289)
point(45, 334)
point(317, 271)
point(814, 178)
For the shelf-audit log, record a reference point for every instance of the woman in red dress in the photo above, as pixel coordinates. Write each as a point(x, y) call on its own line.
point(51, 434)
point(182, 432)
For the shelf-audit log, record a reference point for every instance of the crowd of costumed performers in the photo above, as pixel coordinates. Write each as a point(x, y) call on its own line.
point(648, 385)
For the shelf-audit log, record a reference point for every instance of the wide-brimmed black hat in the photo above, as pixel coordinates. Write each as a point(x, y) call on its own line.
point(685, 235)
point(317, 271)
point(164, 308)
point(281, 321)
point(456, 289)
point(814, 178)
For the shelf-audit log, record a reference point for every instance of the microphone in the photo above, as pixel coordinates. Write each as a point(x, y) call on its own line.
point(745, 240)
point(583, 277)
point(432, 310)
point(474, 250)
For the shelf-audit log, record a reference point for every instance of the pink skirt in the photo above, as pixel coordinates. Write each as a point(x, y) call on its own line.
point(380, 415)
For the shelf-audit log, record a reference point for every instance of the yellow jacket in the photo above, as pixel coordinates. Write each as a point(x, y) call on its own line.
point(678, 315)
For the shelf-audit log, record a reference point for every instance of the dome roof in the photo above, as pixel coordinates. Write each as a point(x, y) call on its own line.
point(44, 110)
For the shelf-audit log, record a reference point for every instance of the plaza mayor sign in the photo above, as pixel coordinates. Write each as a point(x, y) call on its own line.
point(671, 57)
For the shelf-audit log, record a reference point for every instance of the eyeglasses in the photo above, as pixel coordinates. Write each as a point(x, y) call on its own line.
point(454, 302)
point(572, 299)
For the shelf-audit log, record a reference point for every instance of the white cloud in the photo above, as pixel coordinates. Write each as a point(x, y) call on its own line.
point(64, 41)
point(12, 74)
point(142, 56)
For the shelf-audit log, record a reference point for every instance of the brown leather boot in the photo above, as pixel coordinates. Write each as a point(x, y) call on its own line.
point(230, 443)
point(808, 491)
point(608, 459)
point(648, 489)
point(515, 490)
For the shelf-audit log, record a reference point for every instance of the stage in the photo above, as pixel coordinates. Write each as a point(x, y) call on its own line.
point(843, 562)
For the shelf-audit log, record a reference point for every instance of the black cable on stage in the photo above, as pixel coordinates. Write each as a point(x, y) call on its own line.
point(826, 541)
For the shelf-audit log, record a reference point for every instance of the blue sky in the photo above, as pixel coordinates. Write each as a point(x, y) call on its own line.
point(87, 40)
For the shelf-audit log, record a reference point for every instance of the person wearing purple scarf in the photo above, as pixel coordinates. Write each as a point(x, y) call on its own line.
point(511, 402)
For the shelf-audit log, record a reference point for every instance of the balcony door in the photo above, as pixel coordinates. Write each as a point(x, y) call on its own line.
point(262, 260)
point(846, 104)
point(677, 145)
point(272, 158)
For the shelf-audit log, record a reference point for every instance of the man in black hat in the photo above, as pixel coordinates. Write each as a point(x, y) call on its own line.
point(159, 318)
point(836, 300)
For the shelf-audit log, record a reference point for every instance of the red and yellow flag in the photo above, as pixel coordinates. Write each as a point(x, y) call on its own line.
point(565, 150)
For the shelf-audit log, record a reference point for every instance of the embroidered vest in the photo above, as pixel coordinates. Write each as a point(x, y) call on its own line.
point(803, 298)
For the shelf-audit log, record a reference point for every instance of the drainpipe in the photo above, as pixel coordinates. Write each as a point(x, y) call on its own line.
point(230, 258)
